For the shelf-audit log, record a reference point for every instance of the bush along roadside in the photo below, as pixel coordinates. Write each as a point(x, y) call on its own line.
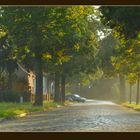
point(132, 106)
point(14, 96)
point(13, 110)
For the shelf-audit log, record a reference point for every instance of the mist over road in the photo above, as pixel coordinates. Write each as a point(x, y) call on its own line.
point(93, 116)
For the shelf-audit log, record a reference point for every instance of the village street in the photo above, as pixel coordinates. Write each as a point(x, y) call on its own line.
point(93, 116)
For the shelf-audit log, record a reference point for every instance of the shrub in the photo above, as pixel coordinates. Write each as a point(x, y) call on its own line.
point(26, 96)
point(11, 96)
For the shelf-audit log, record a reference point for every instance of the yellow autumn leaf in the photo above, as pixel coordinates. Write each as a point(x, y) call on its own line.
point(138, 42)
point(61, 34)
point(59, 53)
point(77, 46)
point(47, 56)
point(2, 34)
point(129, 50)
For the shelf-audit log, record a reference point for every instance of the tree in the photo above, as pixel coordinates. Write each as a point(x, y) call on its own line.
point(62, 59)
point(29, 28)
point(32, 30)
point(131, 78)
point(7, 64)
point(82, 62)
point(106, 52)
point(121, 20)
point(126, 17)
point(133, 64)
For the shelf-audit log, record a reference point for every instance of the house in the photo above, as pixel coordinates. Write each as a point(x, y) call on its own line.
point(26, 81)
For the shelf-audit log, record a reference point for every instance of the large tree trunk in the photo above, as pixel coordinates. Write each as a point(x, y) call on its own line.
point(57, 88)
point(137, 97)
point(48, 88)
point(39, 83)
point(122, 88)
point(130, 94)
point(63, 88)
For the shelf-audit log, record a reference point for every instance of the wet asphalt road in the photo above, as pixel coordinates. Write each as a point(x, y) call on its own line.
point(91, 116)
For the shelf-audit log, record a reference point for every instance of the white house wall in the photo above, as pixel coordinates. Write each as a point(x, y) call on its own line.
point(44, 85)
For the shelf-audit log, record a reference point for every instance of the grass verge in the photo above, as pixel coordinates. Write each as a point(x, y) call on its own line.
point(11, 110)
point(132, 105)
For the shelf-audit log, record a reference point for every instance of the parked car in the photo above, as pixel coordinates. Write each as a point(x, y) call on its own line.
point(83, 99)
point(75, 97)
point(68, 97)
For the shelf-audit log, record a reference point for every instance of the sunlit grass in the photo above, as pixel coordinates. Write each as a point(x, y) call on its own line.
point(132, 105)
point(9, 110)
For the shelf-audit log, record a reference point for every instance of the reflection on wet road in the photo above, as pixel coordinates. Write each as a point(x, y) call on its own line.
point(93, 116)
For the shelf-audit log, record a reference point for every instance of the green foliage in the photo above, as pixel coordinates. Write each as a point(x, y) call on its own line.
point(124, 16)
point(79, 47)
point(44, 29)
point(46, 34)
point(131, 78)
point(6, 61)
point(127, 58)
point(120, 19)
point(53, 33)
point(64, 39)
point(106, 54)
point(10, 96)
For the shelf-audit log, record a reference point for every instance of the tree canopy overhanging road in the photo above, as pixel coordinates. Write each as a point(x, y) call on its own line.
point(75, 46)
